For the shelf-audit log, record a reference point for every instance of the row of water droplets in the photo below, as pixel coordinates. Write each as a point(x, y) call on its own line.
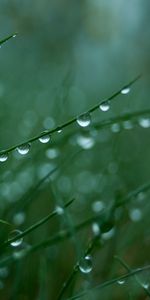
point(83, 120)
point(25, 148)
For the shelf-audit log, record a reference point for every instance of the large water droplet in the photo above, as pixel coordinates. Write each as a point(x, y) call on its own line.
point(45, 138)
point(23, 149)
point(144, 122)
point(14, 234)
point(84, 120)
point(3, 157)
point(104, 106)
point(125, 91)
point(85, 265)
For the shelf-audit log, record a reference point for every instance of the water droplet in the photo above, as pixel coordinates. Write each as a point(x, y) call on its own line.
point(98, 206)
point(145, 285)
point(104, 106)
point(125, 91)
point(135, 214)
point(19, 218)
point(3, 157)
point(86, 142)
point(23, 149)
point(52, 153)
point(14, 35)
point(85, 265)
point(127, 124)
point(144, 122)
point(45, 138)
point(59, 210)
point(121, 281)
point(84, 120)
point(59, 130)
point(14, 234)
point(115, 127)
point(96, 229)
point(109, 234)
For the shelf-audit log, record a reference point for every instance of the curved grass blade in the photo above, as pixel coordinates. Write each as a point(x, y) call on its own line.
point(8, 38)
point(91, 110)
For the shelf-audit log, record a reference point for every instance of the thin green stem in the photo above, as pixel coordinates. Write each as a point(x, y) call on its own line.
point(110, 282)
point(76, 269)
point(73, 120)
point(125, 265)
point(35, 226)
point(7, 38)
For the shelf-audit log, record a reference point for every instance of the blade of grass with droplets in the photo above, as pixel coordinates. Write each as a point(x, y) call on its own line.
point(36, 225)
point(124, 264)
point(7, 38)
point(75, 269)
point(110, 282)
point(91, 110)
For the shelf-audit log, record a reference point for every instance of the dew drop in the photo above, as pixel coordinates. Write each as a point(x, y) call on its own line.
point(85, 142)
point(121, 281)
point(19, 218)
point(135, 214)
point(144, 122)
point(96, 229)
point(3, 157)
point(44, 139)
point(84, 120)
point(59, 210)
point(23, 149)
point(98, 206)
point(14, 234)
point(115, 127)
point(14, 35)
point(145, 285)
point(104, 106)
point(85, 265)
point(127, 125)
point(125, 91)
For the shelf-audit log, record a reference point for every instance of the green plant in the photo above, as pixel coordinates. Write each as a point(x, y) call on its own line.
point(66, 245)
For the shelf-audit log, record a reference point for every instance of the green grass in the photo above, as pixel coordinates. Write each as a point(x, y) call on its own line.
point(57, 223)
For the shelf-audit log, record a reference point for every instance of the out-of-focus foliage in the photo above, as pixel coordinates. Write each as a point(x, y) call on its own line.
point(68, 56)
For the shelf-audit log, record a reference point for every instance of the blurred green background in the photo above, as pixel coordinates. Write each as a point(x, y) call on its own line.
point(68, 56)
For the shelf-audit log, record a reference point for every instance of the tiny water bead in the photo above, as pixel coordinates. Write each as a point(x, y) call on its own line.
point(127, 124)
point(3, 157)
point(115, 127)
point(104, 106)
point(96, 229)
point(23, 149)
point(45, 138)
point(125, 90)
point(13, 234)
point(135, 214)
point(121, 281)
point(98, 206)
point(84, 120)
point(85, 265)
point(59, 210)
